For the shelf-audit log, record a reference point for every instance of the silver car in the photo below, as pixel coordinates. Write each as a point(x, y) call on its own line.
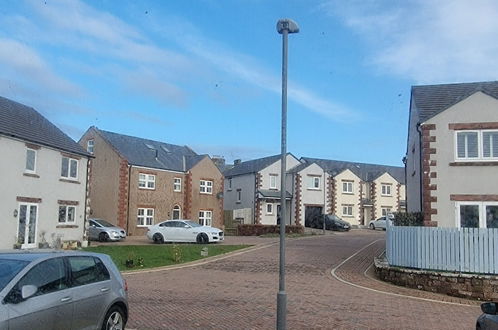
point(61, 290)
point(101, 230)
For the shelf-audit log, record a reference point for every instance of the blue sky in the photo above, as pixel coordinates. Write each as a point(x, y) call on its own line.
point(207, 73)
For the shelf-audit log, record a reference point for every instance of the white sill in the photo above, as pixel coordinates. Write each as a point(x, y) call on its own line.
point(177, 191)
point(347, 193)
point(205, 193)
point(147, 188)
point(348, 216)
point(386, 195)
point(317, 189)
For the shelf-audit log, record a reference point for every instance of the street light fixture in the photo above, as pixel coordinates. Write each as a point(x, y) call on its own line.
point(284, 27)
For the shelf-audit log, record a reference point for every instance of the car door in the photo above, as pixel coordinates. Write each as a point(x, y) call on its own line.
point(187, 232)
point(93, 230)
point(50, 307)
point(91, 285)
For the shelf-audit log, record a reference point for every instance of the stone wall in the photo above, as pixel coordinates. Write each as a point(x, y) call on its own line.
point(471, 286)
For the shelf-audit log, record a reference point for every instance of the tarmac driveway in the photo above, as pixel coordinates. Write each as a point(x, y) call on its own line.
point(239, 292)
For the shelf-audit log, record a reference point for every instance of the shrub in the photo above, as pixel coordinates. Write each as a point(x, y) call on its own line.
point(408, 219)
point(258, 230)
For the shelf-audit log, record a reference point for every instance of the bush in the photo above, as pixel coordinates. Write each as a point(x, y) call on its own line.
point(258, 230)
point(408, 219)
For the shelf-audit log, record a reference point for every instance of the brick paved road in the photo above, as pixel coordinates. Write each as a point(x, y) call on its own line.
point(240, 292)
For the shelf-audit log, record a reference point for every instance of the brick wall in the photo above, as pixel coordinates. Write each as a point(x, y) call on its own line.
point(298, 200)
point(428, 173)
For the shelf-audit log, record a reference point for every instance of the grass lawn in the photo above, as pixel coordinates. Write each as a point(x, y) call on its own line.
point(149, 256)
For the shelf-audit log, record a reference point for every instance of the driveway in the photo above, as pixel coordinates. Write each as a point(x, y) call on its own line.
point(239, 292)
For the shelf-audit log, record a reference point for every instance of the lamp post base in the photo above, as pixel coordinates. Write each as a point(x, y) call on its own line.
point(281, 310)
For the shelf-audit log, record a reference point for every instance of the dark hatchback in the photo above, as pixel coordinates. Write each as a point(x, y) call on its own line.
point(332, 222)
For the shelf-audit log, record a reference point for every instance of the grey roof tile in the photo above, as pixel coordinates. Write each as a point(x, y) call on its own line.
point(366, 172)
point(25, 123)
point(431, 100)
point(153, 154)
point(251, 166)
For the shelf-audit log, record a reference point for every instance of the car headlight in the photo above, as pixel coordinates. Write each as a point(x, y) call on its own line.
point(114, 233)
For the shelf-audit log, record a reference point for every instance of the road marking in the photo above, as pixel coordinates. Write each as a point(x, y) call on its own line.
point(332, 272)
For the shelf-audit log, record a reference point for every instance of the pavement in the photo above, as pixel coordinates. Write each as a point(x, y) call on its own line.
point(329, 284)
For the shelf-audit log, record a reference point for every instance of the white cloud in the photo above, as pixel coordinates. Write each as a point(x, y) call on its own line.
point(427, 41)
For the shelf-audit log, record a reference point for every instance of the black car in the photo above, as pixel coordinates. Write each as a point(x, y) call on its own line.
point(332, 222)
point(489, 318)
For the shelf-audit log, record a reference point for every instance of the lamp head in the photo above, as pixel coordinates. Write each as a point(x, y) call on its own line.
point(287, 24)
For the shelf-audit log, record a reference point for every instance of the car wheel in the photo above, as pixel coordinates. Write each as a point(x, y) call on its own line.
point(114, 319)
point(202, 238)
point(372, 226)
point(103, 237)
point(158, 238)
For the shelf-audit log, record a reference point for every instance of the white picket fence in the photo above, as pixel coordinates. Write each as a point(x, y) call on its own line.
point(469, 250)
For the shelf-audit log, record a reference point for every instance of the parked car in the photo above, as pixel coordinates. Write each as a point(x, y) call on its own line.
point(61, 290)
point(101, 230)
point(332, 222)
point(184, 231)
point(380, 223)
point(489, 318)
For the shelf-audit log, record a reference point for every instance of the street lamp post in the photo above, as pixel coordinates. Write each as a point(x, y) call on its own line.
point(284, 27)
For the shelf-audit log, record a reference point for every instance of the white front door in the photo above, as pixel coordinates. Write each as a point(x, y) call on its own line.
point(28, 220)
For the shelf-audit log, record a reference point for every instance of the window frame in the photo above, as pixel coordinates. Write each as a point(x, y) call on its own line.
point(386, 210)
point(176, 208)
point(145, 216)
point(314, 182)
point(204, 218)
point(238, 196)
point(205, 187)
point(347, 207)
point(92, 147)
point(177, 186)
point(480, 146)
point(149, 178)
point(347, 184)
point(482, 212)
point(26, 170)
point(383, 192)
point(270, 212)
point(66, 214)
point(70, 161)
point(273, 184)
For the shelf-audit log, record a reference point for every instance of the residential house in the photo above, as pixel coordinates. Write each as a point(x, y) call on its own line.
point(44, 180)
point(452, 154)
point(359, 192)
point(252, 190)
point(137, 182)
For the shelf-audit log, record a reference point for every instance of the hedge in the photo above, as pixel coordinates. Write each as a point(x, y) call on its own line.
point(408, 219)
point(257, 230)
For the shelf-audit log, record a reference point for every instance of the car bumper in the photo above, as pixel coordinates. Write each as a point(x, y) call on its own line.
point(217, 237)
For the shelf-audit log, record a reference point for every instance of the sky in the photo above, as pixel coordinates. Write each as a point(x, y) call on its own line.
point(207, 73)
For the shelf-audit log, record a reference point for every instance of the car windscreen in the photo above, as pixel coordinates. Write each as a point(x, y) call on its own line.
point(9, 269)
point(103, 223)
point(193, 224)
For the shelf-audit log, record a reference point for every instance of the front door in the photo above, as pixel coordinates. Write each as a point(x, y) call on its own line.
point(28, 218)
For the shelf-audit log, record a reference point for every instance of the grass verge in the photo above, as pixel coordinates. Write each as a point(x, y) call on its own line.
point(129, 257)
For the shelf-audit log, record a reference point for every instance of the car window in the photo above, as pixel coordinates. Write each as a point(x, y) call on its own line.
point(48, 276)
point(168, 224)
point(86, 270)
point(9, 269)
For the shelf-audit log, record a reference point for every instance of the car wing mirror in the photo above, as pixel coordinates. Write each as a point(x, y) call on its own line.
point(489, 308)
point(28, 291)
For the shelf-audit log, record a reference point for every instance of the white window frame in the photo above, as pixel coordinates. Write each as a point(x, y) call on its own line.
point(177, 184)
point(386, 189)
point(385, 210)
point(482, 212)
point(348, 184)
point(142, 219)
point(205, 217)
point(273, 181)
point(269, 208)
point(347, 210)
point(26, 169)
point(70, 163)
point(314, 182)
point(66, 216)
point(229, 184)
point(146, 181)
point(206, 187)
point(90, 146)
point(239, 195)
point(480, 146)
point(176, 208)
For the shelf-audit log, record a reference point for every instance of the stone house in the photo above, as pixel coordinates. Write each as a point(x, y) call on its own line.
point(44, 180)
point(137, 182)
point(452, 154)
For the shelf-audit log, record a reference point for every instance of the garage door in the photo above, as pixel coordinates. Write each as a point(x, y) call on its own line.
point(310, 212)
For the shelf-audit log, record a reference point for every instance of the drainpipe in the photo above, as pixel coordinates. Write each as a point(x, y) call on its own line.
point(418, 127)
point(128, 197)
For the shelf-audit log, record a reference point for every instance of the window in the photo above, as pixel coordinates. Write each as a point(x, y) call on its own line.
point(314, 182)
point(30, 160)
point(69, 168)
point(347, 187)
point(177, 184)
point(146, 181)
point(145, 217)
point(86, 270)
point(385, 210)
point(205, 218)
point(239, 195)
point(177, 212)
point(89, 146)
point(477, 214)
point(386, 189)
point(273, 181)
point(476, 145)
point(48, 276)
point(66, 213)
point(347, 210)
point(269, 208)
point(206, 187)
point(229, 184)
